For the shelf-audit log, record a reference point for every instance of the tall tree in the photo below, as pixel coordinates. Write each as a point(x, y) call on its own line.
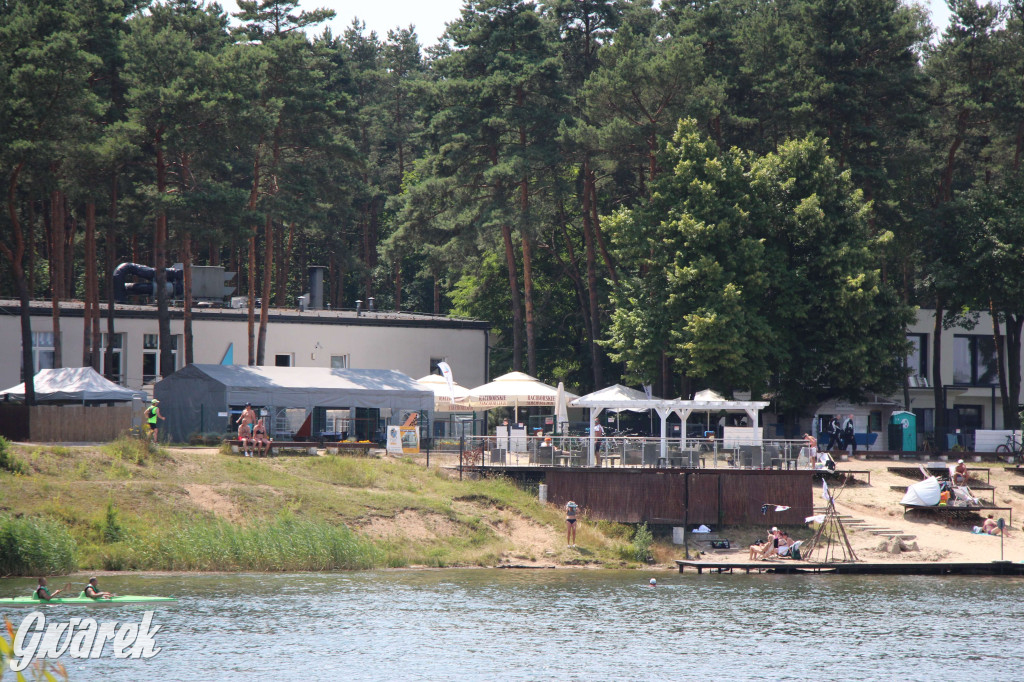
point(46, 105)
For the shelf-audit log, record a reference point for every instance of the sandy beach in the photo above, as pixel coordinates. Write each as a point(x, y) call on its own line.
point(879, 506)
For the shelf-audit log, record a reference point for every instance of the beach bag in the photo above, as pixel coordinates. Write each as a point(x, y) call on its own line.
point(795, 552)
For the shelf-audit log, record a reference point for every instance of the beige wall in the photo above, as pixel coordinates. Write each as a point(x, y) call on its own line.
point(408, 349)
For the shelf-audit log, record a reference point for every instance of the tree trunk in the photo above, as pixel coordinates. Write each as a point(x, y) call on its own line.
point(937, 392)
point(517, 303)
point(281, 274)
point(997, 340)
point(592, 294)
point(109, 256)
point(268, 269)
point(251, 320)
point(531, 326)
point(437, 295)
point(398, 282)
point(56, 271)
point(90, 311)
point(160, 264)
point(16, 255)
point(1011, 417)
point(592, 185)
point(186, 315)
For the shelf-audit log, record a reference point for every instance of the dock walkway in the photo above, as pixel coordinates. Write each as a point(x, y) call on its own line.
point(783, 566)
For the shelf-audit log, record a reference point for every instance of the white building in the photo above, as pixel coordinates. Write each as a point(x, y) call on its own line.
point(969, 379)
point(410, 343)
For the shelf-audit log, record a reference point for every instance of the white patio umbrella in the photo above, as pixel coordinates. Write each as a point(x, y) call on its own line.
point(561, 409)
point(515, 389)
point(443, 396)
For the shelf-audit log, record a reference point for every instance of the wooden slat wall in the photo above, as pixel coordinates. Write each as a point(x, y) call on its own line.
point(78, 423)
point(634, 496)
point(14, 421)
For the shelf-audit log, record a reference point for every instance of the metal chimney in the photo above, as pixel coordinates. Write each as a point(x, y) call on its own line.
point(316, 286)
point(369, 303)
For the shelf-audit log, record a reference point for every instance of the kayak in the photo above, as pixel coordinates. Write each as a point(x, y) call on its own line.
point(82, 600)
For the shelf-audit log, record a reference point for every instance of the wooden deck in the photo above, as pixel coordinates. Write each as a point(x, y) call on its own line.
point(858, 568)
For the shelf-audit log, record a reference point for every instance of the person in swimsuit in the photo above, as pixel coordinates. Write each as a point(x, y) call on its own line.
point(245, 439)
point(570, 523)
point(260, 439)
point(960, 473)
point(92, 591)
point(247, 418)
point(43, 592)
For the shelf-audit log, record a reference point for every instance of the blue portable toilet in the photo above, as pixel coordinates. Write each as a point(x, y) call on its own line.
point(903, 431)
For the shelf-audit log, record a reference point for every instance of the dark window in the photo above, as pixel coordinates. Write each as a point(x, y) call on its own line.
point(917, 358)
point(282, 360)
point(875, 421)
point(974, 360)
point(925, 419)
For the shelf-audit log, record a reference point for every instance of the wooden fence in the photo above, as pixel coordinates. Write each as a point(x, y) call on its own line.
point(710, 496)
point(65, 423)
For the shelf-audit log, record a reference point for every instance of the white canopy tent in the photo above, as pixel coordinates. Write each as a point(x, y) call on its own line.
point(443, 395)
point(613, 398)
point(74, 384)
point(515, 389)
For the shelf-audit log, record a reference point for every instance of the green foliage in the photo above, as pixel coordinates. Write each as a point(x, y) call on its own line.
point(112, 530)
point(35, 546)
point(749, 271)
point(9, 461)
point(138, 451)
point(642, 541)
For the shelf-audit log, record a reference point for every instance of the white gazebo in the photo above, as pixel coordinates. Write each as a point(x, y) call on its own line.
point(623, 398)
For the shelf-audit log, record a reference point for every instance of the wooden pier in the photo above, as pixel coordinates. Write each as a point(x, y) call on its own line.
point(857, 568)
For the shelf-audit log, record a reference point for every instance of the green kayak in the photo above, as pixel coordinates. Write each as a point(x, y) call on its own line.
point(82, 600)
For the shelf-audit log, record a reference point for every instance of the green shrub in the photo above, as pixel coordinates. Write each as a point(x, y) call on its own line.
point(9, 461)
point(35, 546)
point(642, 541)
point(112, 530)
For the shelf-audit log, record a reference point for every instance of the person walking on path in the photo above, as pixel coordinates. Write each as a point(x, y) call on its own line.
point(849, 437)
point(152, 417)
point(835, 439)
point(570, 523)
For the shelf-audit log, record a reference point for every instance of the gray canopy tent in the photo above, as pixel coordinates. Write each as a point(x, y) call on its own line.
point(200, 398)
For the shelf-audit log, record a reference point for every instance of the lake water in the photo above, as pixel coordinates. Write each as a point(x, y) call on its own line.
point(564, 625)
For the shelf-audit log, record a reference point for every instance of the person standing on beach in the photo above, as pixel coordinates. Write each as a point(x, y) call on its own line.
point(570, 523)
point(247, 418)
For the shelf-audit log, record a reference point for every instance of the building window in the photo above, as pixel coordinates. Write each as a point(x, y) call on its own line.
point(925, 419)
point(339, 362)
point(917, 358)
point(433, 365)
point(43, 350)
point(875, 421)
point(116, 370)
point(284, 360)
point(151, 356)
point(974, 360)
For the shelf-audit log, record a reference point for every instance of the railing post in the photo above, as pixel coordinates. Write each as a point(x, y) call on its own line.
point(462, 446)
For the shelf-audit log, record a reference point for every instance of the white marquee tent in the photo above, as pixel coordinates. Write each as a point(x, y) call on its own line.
point(73, 385)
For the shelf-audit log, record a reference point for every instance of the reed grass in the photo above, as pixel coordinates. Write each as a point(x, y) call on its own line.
point(35, 546)
point(285, 544)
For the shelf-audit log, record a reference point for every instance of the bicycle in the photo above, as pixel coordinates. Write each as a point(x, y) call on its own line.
point(1011, 447)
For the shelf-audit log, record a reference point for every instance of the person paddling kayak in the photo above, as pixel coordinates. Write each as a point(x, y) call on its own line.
point(93, 591)
point(43, 592)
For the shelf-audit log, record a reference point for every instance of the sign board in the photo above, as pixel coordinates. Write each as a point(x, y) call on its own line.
point(403, 440)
